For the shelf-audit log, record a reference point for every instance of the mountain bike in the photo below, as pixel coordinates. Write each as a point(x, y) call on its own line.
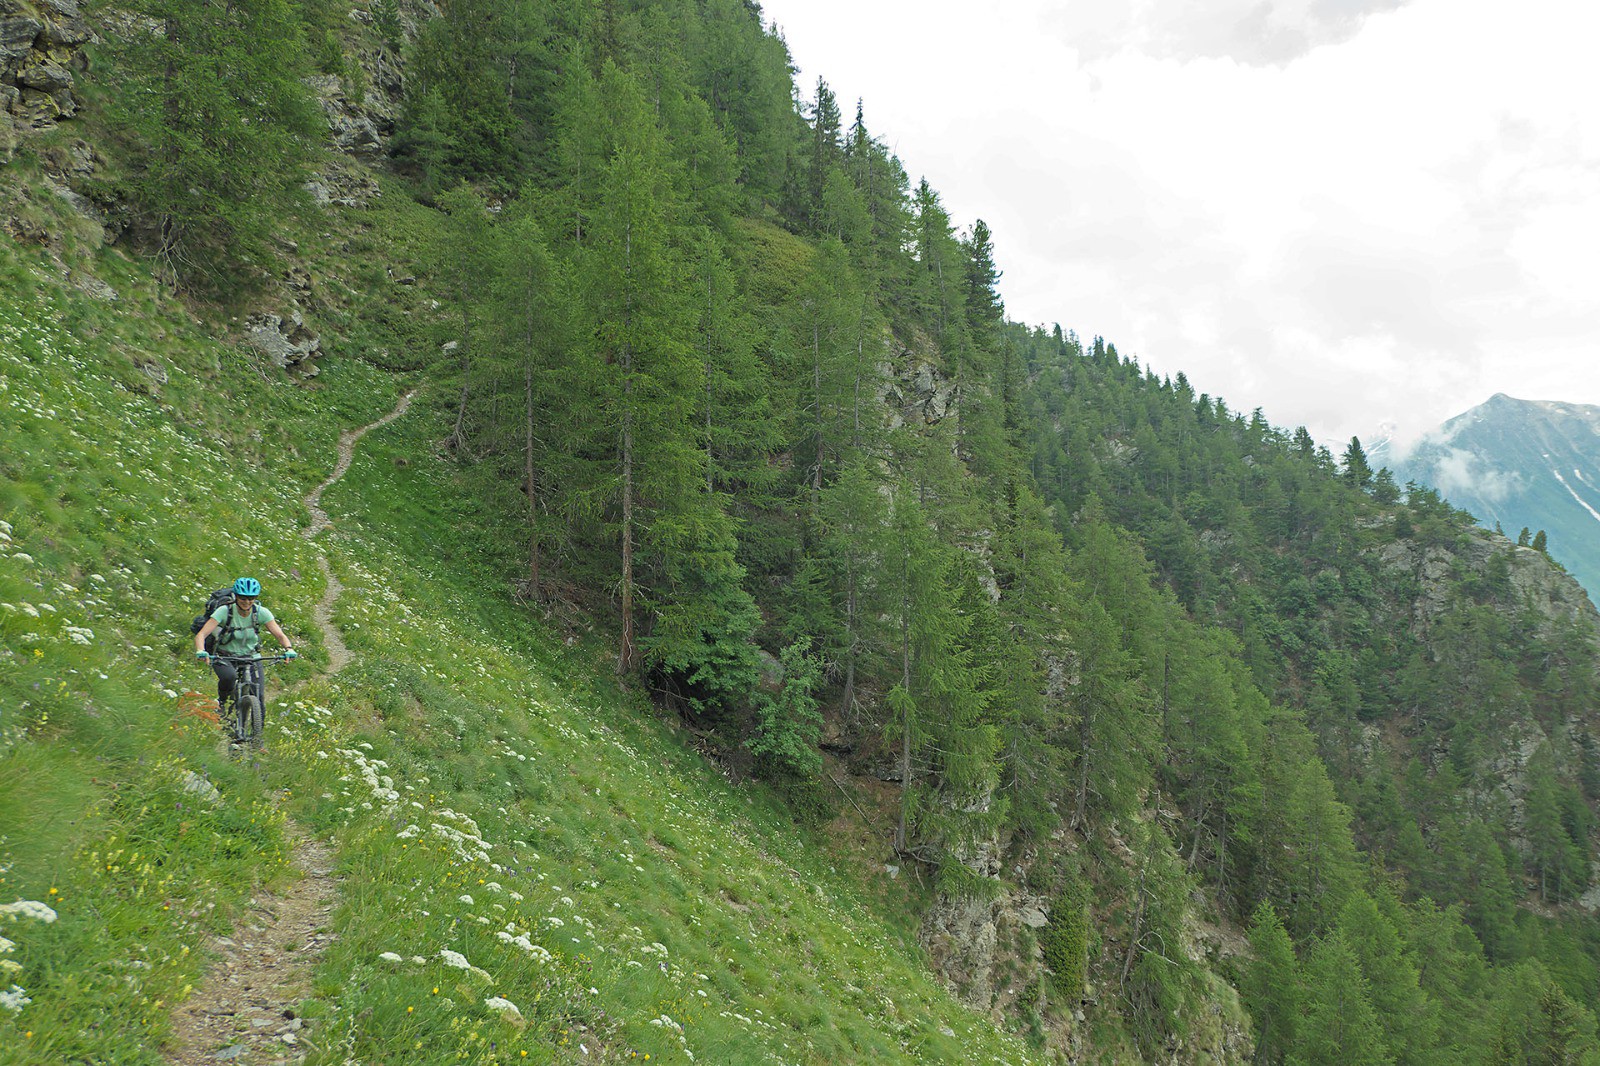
point(248, 720)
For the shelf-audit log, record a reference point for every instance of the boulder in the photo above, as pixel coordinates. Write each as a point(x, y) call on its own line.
point(289, 342)
point(66, 33)
point(17, 34)
point(45, 76)
point(42, 110)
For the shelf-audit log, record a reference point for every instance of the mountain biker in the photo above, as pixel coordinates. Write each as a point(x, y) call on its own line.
point(240, 625)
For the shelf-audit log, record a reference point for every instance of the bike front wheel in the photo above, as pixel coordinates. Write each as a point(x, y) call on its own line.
point(251, 720)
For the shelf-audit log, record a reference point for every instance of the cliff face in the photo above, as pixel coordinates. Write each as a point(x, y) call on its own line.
point(40, 49)
point(1536, 584)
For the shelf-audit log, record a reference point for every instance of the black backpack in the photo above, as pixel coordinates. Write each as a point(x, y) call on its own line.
point(224, 632)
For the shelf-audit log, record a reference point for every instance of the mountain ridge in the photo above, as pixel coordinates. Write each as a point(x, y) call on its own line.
point(1518, 463)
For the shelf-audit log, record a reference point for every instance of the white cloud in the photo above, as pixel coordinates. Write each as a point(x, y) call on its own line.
point(1348, 212)
point(1458, 472)
point(1248, 31)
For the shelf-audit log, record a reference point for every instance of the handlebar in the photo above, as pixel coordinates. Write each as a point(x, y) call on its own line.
point(263, 659)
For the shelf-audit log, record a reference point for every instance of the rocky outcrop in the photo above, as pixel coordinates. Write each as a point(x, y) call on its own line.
point(40, 51)
point(289, 342)
point(1535, 582)
point(916, 392)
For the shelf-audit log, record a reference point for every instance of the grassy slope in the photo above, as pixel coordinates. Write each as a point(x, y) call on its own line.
point(647, 907)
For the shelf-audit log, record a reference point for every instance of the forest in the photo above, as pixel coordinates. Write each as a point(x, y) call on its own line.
point(748, 394)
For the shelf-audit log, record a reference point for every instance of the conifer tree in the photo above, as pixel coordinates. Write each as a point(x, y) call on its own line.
point(1110, 700)
point(1271, 987)
point(465, 254)
point(1340, 1026)
point(1356, 470)
point(642, 366)
point(848, 559)
point(221, 128)
point(826, 152)
point(1404, 1012)
point(532, 295)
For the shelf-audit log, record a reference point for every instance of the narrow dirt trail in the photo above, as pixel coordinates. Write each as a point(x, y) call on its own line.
point(338, 654)
point(246, 1008)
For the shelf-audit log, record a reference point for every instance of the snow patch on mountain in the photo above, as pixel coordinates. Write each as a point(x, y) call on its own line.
point(1581, 501)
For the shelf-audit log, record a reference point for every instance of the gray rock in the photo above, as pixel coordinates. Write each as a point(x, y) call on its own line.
point(99, 290)
point(46, 76)
point(196, 785)
point(66, 33)
point(17, 34)
point(288, 341)
point(40, 110)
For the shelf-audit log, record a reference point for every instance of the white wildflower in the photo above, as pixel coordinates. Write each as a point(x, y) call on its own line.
point(504, 1006)
point(28, 908)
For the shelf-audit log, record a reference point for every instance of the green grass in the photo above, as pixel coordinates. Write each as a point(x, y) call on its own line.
point(623, 895)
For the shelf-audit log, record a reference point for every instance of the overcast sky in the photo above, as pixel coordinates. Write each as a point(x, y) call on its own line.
point(1350, 213)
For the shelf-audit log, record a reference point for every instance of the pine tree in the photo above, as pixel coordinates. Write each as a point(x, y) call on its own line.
point(1356, 470)
point(466, 258)
point(789, 723)
point(1340, 1026)
point(1271, 987)
point(642, 367)
point(532, 295)
point(211, 97)
point(826, 152)
point(1404, 1012)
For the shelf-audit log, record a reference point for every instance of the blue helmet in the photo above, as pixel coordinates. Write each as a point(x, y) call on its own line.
point(247, 586)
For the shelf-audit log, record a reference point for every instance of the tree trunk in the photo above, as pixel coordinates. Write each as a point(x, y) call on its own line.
point(905, 726)
point(816, 375)
point(1138, 926)
point(849, 699)
point(711, 299)
point(458, 435)
point(532, 487)
point(626, 653)
point(1081, 808)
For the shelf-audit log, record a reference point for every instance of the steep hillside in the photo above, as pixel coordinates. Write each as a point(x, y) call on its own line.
point(487, 791)
point(1519, 465)
point(747, 645)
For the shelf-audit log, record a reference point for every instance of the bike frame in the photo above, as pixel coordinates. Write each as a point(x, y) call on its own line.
point(249, 684)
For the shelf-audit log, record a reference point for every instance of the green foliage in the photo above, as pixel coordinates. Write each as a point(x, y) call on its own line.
point(788, 724)
point(386, 20)
point(1340, 1026)
point(1065, 939)
point(1271, 987)
point(588, 809)
point(217, 124)
point(1062, 594)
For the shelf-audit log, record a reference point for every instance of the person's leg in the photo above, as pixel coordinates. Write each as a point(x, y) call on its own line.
point(227, 676)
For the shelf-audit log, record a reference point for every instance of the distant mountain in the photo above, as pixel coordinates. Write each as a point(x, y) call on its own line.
point(1533, 463)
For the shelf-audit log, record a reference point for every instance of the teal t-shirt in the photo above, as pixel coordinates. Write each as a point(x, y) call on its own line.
point(246, 629)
